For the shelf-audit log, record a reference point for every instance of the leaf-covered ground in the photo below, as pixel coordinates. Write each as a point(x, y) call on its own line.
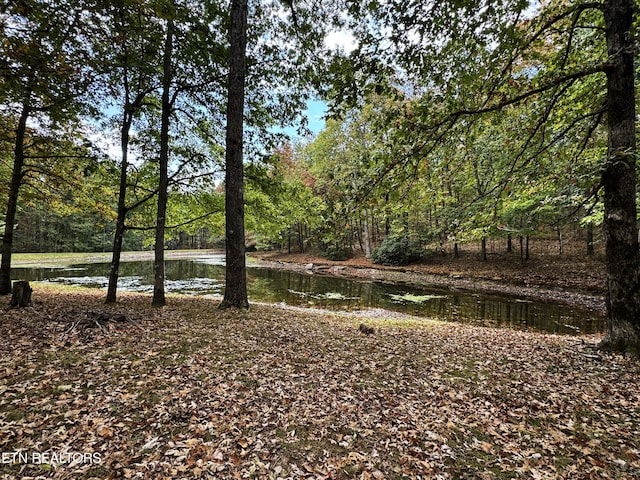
point(188, 391)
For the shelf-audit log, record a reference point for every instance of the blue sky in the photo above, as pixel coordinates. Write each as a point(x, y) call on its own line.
point(315, 113)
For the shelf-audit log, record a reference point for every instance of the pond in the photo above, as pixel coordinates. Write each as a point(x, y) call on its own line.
point(205, 276)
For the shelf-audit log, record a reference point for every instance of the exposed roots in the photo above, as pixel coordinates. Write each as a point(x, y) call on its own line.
point(83, 320)
point(627, 345)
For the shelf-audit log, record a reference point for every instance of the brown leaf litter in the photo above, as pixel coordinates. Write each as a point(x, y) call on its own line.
point(189, 391)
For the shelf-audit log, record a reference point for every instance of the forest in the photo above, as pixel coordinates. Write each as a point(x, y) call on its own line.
point(133, 125)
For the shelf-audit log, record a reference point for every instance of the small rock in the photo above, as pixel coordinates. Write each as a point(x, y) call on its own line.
point(366, 329)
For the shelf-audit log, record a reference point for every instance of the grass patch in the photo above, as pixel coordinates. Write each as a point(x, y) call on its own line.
point(56, 259)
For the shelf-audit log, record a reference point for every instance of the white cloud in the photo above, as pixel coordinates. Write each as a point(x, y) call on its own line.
point(340, 40)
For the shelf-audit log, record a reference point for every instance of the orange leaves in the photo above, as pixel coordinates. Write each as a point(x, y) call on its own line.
point(104, 431)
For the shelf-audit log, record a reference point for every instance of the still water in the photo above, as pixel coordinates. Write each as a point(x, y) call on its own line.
point(205, 276)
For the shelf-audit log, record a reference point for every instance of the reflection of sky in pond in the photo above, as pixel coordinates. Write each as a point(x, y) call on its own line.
point(205, 275)
point(195, 286)
point(87, 281)
point(218, 260)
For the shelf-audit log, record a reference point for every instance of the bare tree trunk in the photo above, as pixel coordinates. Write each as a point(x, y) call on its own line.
point(235, 293)
point(122, 210)
point(619, 181)
point(521, 248)
point(367, 237)
point(559, 239)
point(300, 238)
point(163, 163)
point(12, 202)
point(590, 249)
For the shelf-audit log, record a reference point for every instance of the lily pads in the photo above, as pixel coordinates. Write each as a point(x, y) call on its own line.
point(409, 297)
point(333, 296)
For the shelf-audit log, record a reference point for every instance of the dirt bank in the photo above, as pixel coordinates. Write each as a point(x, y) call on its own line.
point(570, 279)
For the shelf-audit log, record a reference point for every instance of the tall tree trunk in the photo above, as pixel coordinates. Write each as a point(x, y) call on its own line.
point(300, 238)
point(163, 161)
point(235, 293)
point(521, 248)
point(367, 236)
point(619, 181)
point(12, 202)
point(590, 249)
point(359, 229)
point(559, 232)
point(122, 210)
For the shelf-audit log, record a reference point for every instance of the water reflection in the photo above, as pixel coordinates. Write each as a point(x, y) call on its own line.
point(205, 276)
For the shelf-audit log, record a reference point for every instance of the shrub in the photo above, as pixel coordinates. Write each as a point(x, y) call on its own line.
point(396, 250)
point(337, 253)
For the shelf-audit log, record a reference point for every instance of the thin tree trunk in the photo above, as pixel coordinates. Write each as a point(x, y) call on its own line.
point(12, 202)
point(163, 163)
point(235, 293)
point(619, 181)
point(521, 249)
point(559, 239)
point(122, 210)
point(359, 230)
point(590, 249)
point(367, 236)
point(300, 238)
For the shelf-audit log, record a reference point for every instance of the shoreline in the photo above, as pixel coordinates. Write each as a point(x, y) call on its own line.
point(359, 269)
point(405, 275)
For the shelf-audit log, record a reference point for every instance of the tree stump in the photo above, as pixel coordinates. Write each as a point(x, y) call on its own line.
point(21, 294)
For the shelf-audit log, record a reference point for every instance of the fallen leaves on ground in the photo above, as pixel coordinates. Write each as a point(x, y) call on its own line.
point(189, 391)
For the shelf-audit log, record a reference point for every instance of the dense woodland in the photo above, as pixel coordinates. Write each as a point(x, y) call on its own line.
point(449, 122)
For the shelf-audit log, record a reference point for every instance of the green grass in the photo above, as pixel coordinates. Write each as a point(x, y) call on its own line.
point(53, 259)
point(66, 258)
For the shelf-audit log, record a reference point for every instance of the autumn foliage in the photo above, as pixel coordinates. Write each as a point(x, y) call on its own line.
point(190, 391)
